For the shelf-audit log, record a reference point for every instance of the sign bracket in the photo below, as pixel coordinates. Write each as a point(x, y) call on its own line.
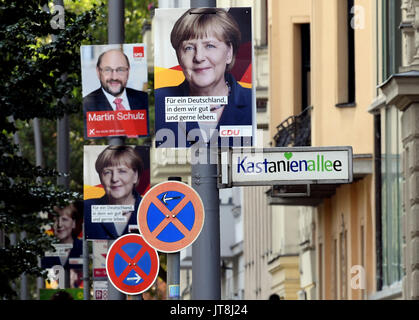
point(292, 194)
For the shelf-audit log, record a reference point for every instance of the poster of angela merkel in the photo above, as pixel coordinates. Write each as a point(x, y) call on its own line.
point(115, 179)
point(203, 78)
point(114, 83)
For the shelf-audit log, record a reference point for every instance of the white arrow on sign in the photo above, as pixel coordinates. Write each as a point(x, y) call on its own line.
point(137, 278)
point(165, 199)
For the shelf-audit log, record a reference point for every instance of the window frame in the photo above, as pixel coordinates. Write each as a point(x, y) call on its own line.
point(390, 194)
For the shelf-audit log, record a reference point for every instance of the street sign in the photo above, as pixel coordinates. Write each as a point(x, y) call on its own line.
point(170, 216)
point(131, 264)
point(100, 290)
point(285, 166)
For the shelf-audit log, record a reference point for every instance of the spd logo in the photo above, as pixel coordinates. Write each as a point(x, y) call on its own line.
point(138, 52)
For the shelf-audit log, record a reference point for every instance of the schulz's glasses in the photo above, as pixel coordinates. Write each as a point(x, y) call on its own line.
point(108, 71)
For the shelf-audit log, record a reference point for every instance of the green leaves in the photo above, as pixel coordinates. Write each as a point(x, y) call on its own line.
point(33, 59)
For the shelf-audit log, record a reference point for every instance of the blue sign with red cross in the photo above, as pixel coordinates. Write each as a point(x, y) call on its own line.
point(170, 216)
point(131, 264)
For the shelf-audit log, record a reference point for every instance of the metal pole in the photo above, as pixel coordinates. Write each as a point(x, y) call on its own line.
point(116, 35)
point(116, 30)
point(173, 276)
point(14, 237)
point(39, 160)
point(63, 159)
point(13, 243)
point(206, 284)
point(203, 3)
point(23, 278)
point(63, 163)
point(63, 151)
point(63, 138)
point(2, 239)
point(86, 275)
point(173, 268)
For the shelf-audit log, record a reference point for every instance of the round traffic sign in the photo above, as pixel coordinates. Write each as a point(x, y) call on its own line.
point(131, 264)
point(170, 216)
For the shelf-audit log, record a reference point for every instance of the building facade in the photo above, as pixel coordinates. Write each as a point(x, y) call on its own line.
point(395, 110)
point(360, 240)
point(322, 82)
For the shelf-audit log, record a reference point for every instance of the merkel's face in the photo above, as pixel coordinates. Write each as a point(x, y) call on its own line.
point(64, 225)
point(204, 62)
point(118, 182)
point(113, 72)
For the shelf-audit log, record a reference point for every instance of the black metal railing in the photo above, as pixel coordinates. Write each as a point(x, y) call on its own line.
point(295, 130)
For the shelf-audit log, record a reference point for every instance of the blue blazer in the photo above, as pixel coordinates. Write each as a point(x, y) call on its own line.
point(238, 112)
point(106, 230)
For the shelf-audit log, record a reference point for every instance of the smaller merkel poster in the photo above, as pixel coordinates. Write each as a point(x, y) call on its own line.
point(68, 249)
point(114, 84)
point(115, 179)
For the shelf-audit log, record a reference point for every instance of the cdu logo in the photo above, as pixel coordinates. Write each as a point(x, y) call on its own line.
point(57, 21)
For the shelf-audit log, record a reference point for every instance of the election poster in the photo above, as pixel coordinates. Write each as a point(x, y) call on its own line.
point(100, 249)
point(67, 250)
point(204, 95)
point(100, 290)
point(61, 294)
point(115, 179)
point(114, 89)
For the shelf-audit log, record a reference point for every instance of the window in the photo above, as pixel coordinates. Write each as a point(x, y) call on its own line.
point(377, 183)
point(346, 54)
point(264, 23)
point(351, 53)
point(305, 66)
point(391, 38)
point(302, 67)
point(391, 198)
point(388, 148)
point(261, 104)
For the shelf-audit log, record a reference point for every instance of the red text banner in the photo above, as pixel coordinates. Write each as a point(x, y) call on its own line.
point(131, 123)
